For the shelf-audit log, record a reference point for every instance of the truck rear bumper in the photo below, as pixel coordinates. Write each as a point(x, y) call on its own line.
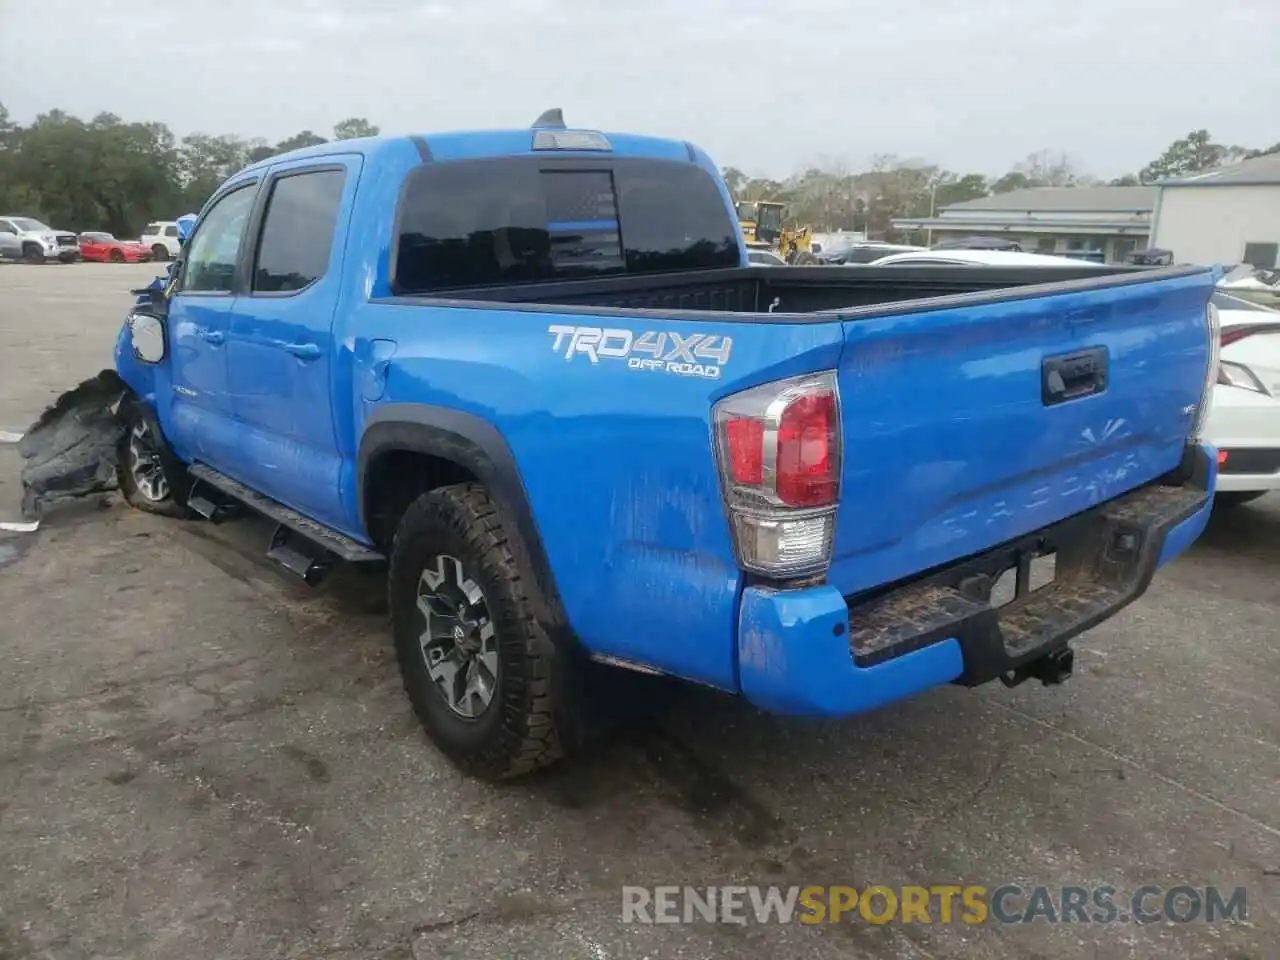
point(814, 651)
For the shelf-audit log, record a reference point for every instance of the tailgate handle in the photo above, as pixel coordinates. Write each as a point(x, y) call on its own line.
point(1073, 375)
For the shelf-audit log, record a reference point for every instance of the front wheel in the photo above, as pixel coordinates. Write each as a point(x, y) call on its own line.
point(488, 685)
point(32, 253)
point(150, 476)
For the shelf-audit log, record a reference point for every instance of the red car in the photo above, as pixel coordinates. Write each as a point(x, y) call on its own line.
point(104, 248)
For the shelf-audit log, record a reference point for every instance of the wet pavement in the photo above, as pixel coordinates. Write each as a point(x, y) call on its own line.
point(200, 758)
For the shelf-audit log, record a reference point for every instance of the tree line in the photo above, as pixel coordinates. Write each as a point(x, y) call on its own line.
point(116, 175)
point(831, 197)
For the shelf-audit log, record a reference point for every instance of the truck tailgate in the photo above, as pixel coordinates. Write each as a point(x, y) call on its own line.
point(983, 419)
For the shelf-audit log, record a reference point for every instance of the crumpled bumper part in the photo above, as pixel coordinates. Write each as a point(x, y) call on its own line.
point(72, 449)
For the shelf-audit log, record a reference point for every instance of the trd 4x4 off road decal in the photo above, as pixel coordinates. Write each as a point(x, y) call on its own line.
point(692, 355)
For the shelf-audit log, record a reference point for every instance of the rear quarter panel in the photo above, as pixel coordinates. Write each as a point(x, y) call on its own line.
point(617, 462)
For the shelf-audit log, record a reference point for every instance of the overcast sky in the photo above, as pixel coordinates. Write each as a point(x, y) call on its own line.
point(765, 86)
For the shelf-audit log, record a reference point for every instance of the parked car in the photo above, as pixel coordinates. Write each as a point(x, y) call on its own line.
point(161, 238)
point(976, 258)
point(1151, 257)
point(839, 249)
point(1244, 420)
point(979, 243)
point(1247, 282)
point(10, 244)
point(765, 258)
point(105, 248)
point(535, 371)
point(40, 242)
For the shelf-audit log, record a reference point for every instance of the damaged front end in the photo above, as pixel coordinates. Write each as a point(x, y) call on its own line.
point(72, 450)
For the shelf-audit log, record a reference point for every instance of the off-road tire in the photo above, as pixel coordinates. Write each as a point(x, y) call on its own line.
point(174, 504)
point(1237, 498)
point(533, 718)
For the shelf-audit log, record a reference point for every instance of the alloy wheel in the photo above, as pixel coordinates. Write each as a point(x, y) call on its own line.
point(145, 465)
point(458, 641)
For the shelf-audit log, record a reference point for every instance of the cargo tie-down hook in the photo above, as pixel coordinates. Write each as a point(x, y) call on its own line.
point(776, 303)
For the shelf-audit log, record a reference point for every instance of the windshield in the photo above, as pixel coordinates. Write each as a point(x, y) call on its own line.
point(746, 211)
point(841, 243)
point(27, 225)
point(770, 218)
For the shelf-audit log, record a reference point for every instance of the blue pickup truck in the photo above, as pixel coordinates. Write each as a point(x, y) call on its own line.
point(534, 372)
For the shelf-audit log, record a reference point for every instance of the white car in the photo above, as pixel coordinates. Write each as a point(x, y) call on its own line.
point(1244, 421)
point(162, 237)
point(765, 258)
point(977, 258)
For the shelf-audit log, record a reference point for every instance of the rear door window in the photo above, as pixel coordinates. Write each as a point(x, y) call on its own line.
point(496, 222)
point(151, 230)
point(297, 234)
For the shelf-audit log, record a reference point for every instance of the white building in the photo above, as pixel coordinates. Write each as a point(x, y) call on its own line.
point(1108, 223)
point(1227, 216)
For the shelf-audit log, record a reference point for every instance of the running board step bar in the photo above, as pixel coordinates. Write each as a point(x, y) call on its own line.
point(297, 556)
point(212, 504)
point(298, 539)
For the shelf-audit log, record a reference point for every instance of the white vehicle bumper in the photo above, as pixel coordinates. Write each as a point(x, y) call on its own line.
point(1245, 427)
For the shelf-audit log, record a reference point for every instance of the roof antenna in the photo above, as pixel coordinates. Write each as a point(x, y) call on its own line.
point(550, 119)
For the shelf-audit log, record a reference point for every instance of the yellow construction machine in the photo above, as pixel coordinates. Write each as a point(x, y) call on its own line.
point(762, 229)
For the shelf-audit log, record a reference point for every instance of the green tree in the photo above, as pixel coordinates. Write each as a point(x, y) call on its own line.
point(1128, 180)
point(734, 179)
point(958, 189)
point(1194, 153)
point(1264, 152)
point(204, 162)
point(353, 128)
point(299, 140)
point(1013, 180)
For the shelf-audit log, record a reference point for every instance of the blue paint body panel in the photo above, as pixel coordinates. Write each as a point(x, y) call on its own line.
point(793, 650)
point(948, 448)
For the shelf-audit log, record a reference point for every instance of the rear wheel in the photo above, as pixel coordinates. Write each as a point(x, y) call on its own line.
point(487, 683)
point(1237, 498)
point(159, 253)
point(150, 476)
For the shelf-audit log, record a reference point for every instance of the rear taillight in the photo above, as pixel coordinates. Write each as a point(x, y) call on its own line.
point(779, 448)
point(1214, 330)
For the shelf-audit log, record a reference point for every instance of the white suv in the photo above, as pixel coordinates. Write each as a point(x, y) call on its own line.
point(162, 237)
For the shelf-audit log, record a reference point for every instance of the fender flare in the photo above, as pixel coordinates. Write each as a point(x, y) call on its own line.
point(475, 444)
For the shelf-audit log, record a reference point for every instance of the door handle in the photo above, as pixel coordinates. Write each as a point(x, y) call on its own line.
point(214, 337)
point(303, 351)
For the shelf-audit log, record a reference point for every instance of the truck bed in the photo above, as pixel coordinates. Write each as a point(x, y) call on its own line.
point(789, 293)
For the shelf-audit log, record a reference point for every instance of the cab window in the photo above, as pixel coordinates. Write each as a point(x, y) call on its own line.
point(210, 262)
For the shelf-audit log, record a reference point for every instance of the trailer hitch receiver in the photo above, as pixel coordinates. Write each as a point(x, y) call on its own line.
point(1051, 669)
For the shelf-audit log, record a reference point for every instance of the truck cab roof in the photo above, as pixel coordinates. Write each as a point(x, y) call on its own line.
point(485, 144)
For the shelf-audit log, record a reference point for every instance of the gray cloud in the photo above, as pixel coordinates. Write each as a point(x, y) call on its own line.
point(766, 86)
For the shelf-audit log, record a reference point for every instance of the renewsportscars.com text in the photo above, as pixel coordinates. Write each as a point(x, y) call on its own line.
point(939, 903)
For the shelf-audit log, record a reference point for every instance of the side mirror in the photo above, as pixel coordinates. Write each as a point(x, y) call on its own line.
point(146, 335)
